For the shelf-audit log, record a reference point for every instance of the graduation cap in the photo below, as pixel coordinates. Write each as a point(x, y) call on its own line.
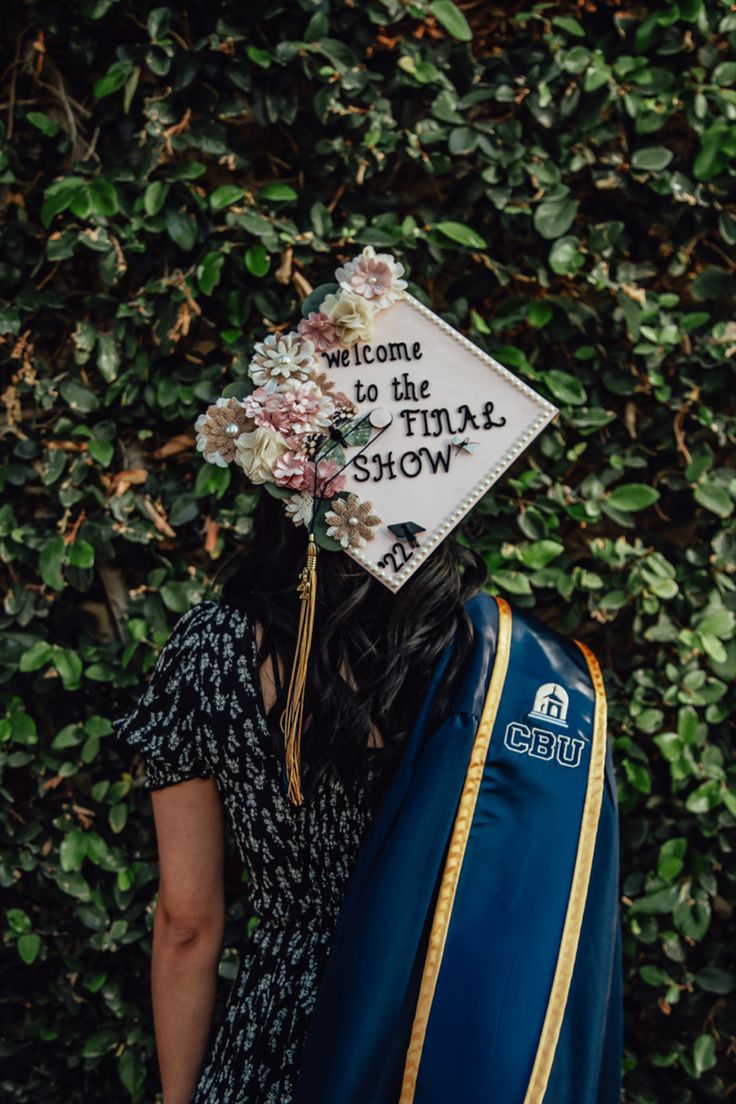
point(372, 408)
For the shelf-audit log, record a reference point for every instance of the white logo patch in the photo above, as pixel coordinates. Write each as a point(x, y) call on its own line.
point(551, 703)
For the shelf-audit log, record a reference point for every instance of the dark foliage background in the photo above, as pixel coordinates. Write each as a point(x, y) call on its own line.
point(559, 181)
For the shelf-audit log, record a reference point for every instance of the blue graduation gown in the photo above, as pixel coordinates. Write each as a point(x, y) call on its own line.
point(477, 954)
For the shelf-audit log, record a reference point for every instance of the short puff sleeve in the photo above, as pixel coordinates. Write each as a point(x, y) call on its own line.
point(165, 725)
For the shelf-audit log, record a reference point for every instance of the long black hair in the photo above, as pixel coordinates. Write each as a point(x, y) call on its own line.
point(373, 651)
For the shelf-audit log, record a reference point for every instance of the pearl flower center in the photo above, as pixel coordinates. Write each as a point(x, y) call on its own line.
point(232, 429)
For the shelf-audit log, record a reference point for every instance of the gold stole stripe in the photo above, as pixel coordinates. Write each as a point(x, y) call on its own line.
point(455, 855)
point(578, 892)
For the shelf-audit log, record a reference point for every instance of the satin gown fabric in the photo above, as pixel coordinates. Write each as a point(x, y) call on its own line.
point(503, 937)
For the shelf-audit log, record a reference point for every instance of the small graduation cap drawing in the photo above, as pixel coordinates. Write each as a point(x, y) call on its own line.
point(407, 531)
point(371, 408)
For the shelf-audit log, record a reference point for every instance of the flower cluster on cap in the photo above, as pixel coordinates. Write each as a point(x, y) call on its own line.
point(282, 434)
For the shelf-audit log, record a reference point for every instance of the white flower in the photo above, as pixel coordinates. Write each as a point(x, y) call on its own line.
point(299, 508)
point(376, 277)
point(257, 452)
point(282, 357)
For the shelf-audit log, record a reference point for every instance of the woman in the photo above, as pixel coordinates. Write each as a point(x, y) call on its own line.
point(432, 843)
point(208, 729)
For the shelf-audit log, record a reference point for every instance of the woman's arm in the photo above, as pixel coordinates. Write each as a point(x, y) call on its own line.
point(187, 929)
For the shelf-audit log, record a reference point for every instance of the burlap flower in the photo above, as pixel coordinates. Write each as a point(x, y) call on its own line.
point(351, 316)
point(351, 521)
point(299, 508)
point(218, 429)
point(282, 357)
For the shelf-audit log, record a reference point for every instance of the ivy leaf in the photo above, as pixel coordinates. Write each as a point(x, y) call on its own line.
point(704, 1053)
point(714, 498)
point(29, 944)
point(181, 228)
point(554, 217)
point(257, 261)
point(225, 196)
point(631, 497)
point(462, 234)
point(565, 388)
point(452, 19)
point(154, 197)
point(50, 561)
point(277, 193)
point(114, 78)
point(651, 158)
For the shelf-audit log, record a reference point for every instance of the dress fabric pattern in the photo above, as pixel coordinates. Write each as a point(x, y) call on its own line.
point(202, 716)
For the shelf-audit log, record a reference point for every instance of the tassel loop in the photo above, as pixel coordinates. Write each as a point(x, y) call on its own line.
point(291, 718)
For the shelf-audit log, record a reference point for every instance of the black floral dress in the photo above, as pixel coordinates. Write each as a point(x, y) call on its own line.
point(202, 716)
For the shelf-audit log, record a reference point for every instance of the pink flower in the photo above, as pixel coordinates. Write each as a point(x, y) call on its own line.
point(318, 329)
point(294, 470)
point(326, 469)
point(371, 278)
point(292, 409)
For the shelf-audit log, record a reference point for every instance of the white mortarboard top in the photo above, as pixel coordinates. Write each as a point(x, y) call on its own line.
point(397, 421)
point(377, 423)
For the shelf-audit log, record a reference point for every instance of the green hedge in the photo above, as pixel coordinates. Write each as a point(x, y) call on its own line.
point(559, 182)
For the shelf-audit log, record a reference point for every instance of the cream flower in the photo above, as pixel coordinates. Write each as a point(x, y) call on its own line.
point(257, 453)
point(351, 316)
point(282, 357)
point(377, 277)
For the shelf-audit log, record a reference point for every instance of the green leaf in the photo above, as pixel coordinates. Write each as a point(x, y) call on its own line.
point(257, 260)
point(633, 496)
point(554, 217)
point(78, 397)
point(706, 797)
point(715, 980)
point(515, 582)
point(37, 656)
point(714, 498)
point(704, 1053)
point(81, 553)
point(460, 233)
point(114, 78)
point(452, 19)
point(29, 944)
point(69, 666)
point(117, 817)
point(262, 58)
point(277, 193)
point(73, 850)
point(182, 229)
point(651, 158)
point(43, 123)
point(225, 196)
point(566, 388)
point(541, 553)
point(103, 197)
point(154, 197)
point(209, 272)
point(50, 561)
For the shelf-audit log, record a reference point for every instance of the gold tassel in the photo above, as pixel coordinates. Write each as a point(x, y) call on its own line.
point(291, 718)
